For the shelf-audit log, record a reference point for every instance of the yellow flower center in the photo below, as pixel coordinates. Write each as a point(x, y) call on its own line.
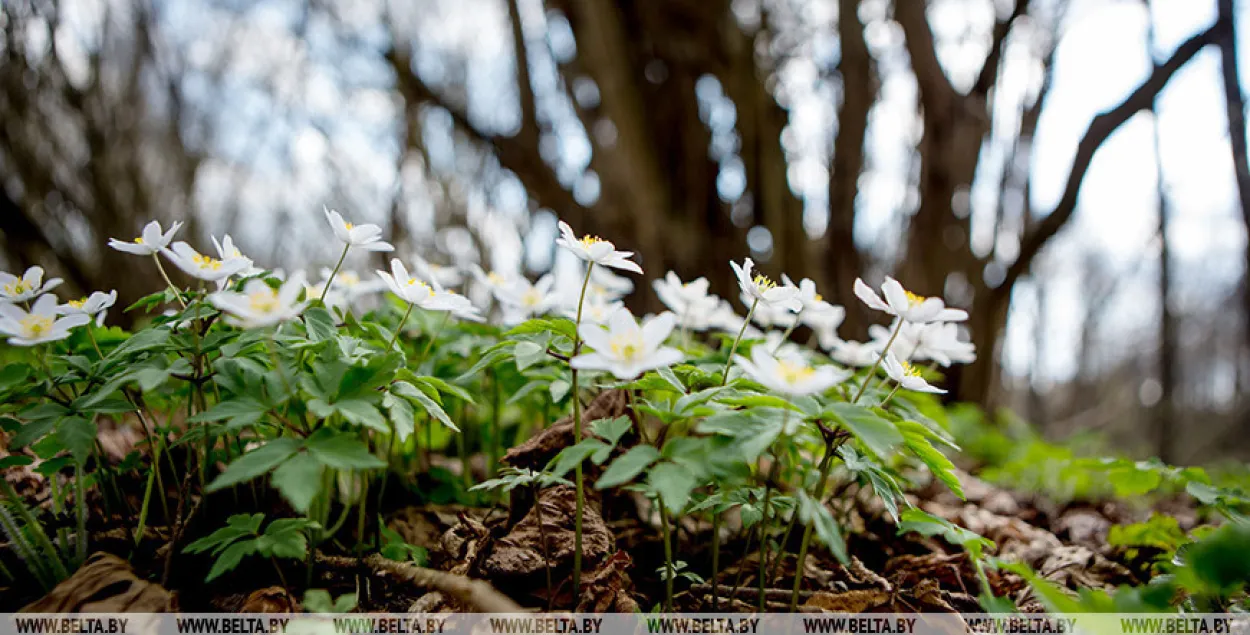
point(792, 372)
point(16, 288)
point(915, 300)
point(910, 370)
point(413, 282)
point(205, 262)
point(263, 301)
point(139, 240)
point(590, 241)
point(626, 348)
point(348, 226)
point(818, 298)
point(494, 278)
point(532, 298)
point(77, 304)
point(763, 282)
point(36, 325)
point(349, 278)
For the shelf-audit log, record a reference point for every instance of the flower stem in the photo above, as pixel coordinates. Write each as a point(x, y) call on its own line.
point(433, 336)
point(94, 343)
point(398, 327)
point(668, 558)
point(890, 396)
point(334, 272)
point(793, 325)
point(177, 293)
point(768, 493)
point(801, 564)
point(872, 372)
point(577, 438)
point(715, 559)
point(734, 349)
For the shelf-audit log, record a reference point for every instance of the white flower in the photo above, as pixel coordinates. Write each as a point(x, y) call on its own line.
point(596, 250)
point(149, 242)
point(261, 305)
point(905, 342)
point(625, 349)
point(421, 294)
point(39, 325)
point(609, 285)
point(854, 353)
point(493, 280)
point(522, 300)
point(367, 236)
point(95, 306)
point(791, 375)
point(907, 376)
point(27, 287)
point(349, 284)
point(764, 291)
point(445, 276)
point(596, 310)
point(940, 342)
point(907, 305)
point(689, 301)
point(781, 347)
point(768, 316)
point(226, 250)
point(197, 265)
point(823, 318)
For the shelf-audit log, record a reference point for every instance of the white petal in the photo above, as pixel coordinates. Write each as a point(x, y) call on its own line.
point(895, 295)
point(870, 297)
point(657, 329)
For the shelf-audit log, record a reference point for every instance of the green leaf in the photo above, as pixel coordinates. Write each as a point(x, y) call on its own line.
point(362, 413)
point(573, 455)
point(15, 460)
point(401, 415)
point(240, 408)
point(78, 435)
point(667, 375)
point(558, 326)
point(559, 389)
point(490, 358)
point(299, 480)
point(256, 462)
point(938, 464)
point(673, 483)
point(528, 353)
point(930, 525)
point(629, 465)
point(320, 324)
point(878, 434)
point(611, 430)
point(1130, 481)
point(230, 558)
point(814, 512)
point(342, 451)
point(431, 407)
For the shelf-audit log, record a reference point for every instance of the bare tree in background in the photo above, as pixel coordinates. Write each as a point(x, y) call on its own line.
point(85, 154)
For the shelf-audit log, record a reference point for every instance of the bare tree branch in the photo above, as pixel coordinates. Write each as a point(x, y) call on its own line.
point(1100, 129)
point(989, 70)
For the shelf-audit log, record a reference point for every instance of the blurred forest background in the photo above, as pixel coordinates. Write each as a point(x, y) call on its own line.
point(1072, 172)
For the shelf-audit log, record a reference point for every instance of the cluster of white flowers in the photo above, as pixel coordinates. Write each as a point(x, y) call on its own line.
point(924, 329)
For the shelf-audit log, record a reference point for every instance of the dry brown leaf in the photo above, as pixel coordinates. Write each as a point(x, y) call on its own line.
point(104, 584)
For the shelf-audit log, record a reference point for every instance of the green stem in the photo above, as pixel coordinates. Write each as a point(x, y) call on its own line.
point(433, 336)
point(399, 327)
point(94, 343)
point(579, 477)
point(734, 349)
point(801, 564)
point(668, 557)
point(334, 272)
point(764, 546)
point(80, 506)
point(890, 396)
point(793, 325)
point(872, 372)
point(715, 560)
point(170, 283)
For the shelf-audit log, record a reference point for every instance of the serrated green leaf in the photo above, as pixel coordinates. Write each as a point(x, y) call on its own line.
point(573, 455)
point(879, 435)
point(78, 435)
point(673, 484)
point(299, 481)
point(342, 451)
point(814, 512)
point(256, 462)
point(628, 466)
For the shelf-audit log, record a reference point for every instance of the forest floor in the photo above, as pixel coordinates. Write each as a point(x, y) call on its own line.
point(524, 551)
